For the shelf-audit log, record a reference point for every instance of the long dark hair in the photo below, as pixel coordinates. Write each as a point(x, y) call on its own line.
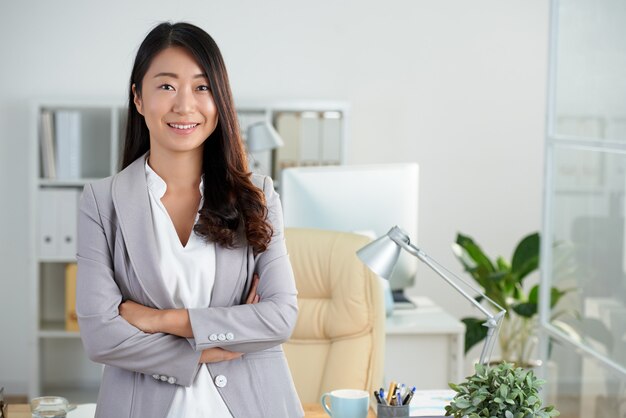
point(233, 206)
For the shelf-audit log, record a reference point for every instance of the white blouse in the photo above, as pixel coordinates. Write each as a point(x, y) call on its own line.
point(189, 273)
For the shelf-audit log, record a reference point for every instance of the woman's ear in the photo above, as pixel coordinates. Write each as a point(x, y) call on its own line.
point(137, 100)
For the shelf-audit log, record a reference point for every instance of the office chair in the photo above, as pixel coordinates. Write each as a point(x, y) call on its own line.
point(339, 338)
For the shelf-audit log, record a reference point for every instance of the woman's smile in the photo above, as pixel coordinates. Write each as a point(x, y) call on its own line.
point(183, 129)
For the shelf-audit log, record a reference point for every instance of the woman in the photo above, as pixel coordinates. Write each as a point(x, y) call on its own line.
point(185, 291)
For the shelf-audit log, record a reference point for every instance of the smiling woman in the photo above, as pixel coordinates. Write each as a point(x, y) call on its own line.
point(176, 102)
point(185, 291)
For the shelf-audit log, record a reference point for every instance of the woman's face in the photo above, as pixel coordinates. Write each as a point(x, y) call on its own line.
point(175, 94)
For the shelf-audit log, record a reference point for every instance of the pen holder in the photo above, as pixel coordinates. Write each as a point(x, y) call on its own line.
point(389, 411)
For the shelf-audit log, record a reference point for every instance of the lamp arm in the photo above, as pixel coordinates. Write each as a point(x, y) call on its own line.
point(425, 258)
point(493, 322)
point(493, 329)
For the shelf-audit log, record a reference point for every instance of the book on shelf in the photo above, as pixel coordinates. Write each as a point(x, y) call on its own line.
point(71, 320)
point(48, 169)
point(60, 144)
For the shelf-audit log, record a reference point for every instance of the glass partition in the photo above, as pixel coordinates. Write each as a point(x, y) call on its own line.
point(583, 235)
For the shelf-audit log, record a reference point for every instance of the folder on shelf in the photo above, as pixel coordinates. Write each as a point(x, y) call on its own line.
point(67, 124)
point(58, 214)
point(71, 320)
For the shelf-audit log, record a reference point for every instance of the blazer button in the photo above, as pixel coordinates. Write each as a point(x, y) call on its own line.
point(213, 337)
point(171, 380)
point(164, 378)
point(230, 336)
point(220, 381)
point(221, 337)
point(156, 376)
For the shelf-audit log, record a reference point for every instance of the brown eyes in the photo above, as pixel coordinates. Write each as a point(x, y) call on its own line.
point(202, 87)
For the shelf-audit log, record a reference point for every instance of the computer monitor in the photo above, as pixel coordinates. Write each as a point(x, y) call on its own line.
point(355, 199)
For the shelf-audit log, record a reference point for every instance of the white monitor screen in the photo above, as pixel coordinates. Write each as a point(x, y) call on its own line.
point(356, 199)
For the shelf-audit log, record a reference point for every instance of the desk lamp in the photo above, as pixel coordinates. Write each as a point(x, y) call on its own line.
point(261, 136)
point(382, 254)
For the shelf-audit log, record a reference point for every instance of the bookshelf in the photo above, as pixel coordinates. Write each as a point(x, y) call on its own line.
point(91, 146)
point(59, 365)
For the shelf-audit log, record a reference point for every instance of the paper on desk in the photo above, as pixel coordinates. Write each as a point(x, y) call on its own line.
point(430, 402)
point(86, 410)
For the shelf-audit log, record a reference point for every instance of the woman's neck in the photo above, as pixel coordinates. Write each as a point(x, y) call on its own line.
point(180, 170)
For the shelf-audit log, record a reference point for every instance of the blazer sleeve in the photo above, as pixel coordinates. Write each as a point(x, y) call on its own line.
point(263, 325)
point(107, 337)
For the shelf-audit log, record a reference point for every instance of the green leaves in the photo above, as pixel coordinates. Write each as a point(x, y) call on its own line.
point(475, 253)
point(499, 391)
point(475, 332)
point(530, 308)
point(526, 256)
point(503, 282)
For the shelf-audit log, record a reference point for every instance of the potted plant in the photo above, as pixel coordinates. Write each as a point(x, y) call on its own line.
point(503, 282)
point(502, 391)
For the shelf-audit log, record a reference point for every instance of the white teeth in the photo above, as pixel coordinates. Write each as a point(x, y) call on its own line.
point(182, 126)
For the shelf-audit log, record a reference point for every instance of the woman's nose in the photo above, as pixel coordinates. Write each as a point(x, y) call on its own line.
point(185, 102)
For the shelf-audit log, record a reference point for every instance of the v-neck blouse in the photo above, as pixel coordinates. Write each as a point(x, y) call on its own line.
point(189, 274)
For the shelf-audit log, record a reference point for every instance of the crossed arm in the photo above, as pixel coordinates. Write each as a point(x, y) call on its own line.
point(176, 322)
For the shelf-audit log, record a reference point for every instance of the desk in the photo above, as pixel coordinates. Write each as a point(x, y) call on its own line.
point(310, 411)
point(315, 410)
point(424, 346)
point(18, 411)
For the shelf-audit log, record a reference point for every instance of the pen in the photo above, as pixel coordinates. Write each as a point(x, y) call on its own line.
point(392, 390)
point(377, 396)
point(402, 389)
point(382, 396)
point(398, 398)
point(409, 396)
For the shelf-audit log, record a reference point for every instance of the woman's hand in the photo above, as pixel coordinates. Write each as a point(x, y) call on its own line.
point(140, 316)
point(216, 354)
point(252, 295)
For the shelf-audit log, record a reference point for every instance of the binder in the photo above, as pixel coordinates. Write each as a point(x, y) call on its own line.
point(48, 166)
point(71, 320)
point(310, 145)
point(68, 144)
point(58, 214)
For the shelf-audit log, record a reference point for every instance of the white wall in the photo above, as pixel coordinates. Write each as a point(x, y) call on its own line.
point(457, 86)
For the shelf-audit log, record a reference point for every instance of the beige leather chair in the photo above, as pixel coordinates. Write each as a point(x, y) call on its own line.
point(339, 339)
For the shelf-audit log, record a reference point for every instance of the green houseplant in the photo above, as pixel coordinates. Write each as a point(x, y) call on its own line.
point(502, 391)
point(503, 281)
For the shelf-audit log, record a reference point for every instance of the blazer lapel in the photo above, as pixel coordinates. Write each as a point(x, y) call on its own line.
point(132, 205)
point(229, 271)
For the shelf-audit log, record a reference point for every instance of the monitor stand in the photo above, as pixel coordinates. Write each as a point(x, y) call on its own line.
point(400, 301)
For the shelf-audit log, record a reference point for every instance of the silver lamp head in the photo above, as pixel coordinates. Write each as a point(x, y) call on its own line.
point(382, 254)
point(262, 136)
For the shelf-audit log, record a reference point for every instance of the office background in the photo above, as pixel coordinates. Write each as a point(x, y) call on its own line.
point(457, 86)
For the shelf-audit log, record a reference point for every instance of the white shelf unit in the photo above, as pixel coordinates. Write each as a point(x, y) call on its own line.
point(59, 365)
point(314, 133)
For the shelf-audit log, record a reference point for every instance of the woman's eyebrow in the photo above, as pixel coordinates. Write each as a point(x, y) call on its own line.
point(174, 75)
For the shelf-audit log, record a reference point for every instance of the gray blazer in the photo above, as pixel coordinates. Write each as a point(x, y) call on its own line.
point(117, 260)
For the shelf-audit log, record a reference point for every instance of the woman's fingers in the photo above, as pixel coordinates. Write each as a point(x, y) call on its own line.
point(252, 294)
